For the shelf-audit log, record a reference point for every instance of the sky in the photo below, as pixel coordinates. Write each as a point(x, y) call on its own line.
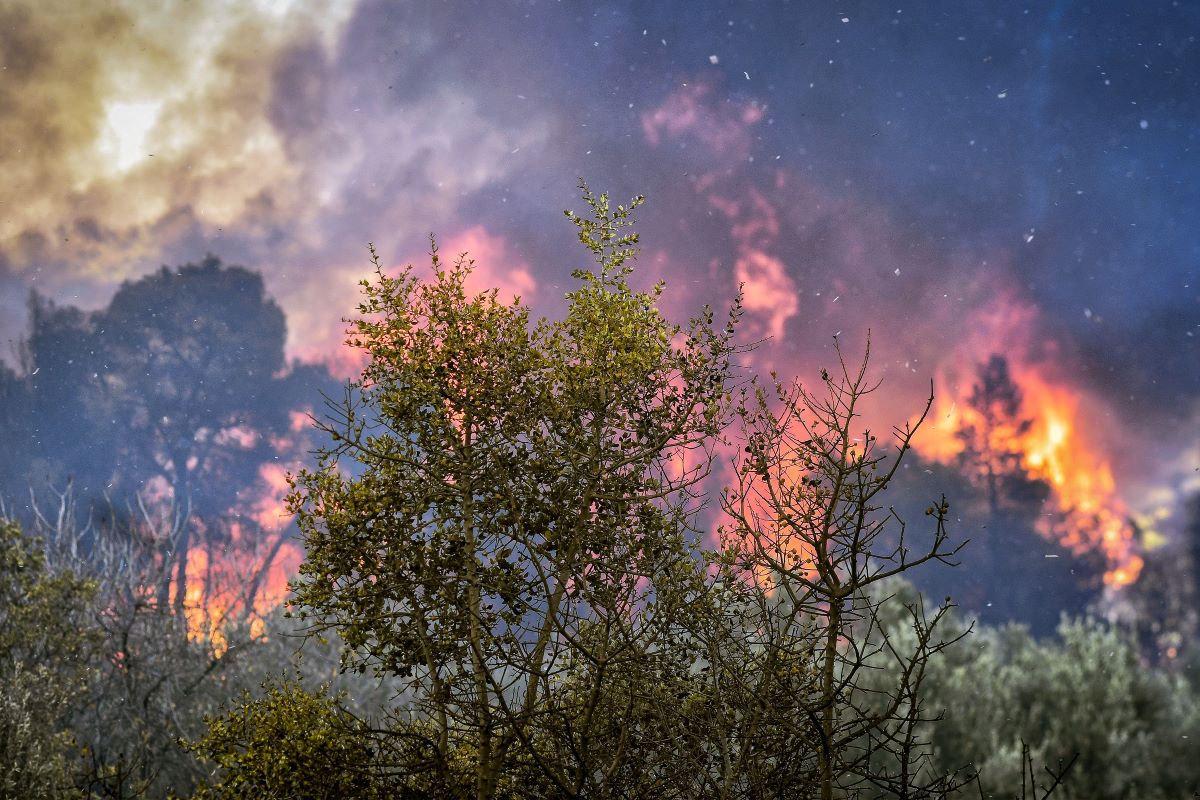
point(959, 178)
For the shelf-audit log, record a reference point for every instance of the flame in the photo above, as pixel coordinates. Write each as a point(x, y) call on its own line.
point(246, 577)
point(220, 581)
point(1054, 448)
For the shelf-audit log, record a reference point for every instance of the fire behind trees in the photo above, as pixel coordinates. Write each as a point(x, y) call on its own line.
point(504, 525)
point(516, 555)
point(1013, 570)
point(177, 394)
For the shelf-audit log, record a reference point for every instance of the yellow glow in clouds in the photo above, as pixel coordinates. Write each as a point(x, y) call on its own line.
point(123, 140)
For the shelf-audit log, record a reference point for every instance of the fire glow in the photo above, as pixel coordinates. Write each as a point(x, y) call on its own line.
point(1091, 516)
point(245, 579)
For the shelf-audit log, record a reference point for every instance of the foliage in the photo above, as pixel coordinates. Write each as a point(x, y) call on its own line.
point(36, 750)
point(506, 596)
point(1086, 692)
point(288, 743)
point(144, 679)
point(510, 536)
point(42, 652)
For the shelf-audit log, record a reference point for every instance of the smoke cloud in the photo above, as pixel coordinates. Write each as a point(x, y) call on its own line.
point(961, 180)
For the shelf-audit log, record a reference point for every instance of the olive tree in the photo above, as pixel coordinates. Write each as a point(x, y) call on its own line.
point(503, 519)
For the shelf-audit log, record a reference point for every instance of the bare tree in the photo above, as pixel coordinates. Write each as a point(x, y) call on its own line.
point(810, 527)
point(156, 667)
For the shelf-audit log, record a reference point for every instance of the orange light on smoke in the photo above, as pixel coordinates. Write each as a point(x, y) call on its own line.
point(270, 510)
point(1056, 449)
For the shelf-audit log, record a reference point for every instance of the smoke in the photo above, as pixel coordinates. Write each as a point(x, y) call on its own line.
point(137, 137)
point(961, 182)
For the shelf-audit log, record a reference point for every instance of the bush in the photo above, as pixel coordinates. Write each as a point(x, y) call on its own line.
point(290, 743)
point(1087, 691)
point(43, 646)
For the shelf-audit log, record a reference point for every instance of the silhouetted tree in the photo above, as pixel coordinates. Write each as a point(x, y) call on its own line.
point(15, 434)
point(189, 354)
point(179, 386)
point(989, 453)
point(63, 368)
point(1016, 569)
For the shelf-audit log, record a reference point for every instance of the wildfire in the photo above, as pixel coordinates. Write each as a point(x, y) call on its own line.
point(1048, 442)
point(244, 579)
point(224, 588)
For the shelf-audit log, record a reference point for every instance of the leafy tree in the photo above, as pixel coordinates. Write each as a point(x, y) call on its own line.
point(510, 538)
point(1087, 692)
point(43, 650)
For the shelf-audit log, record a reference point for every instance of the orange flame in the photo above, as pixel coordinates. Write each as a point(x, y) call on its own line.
point(244, 579)
point(220, 582)
point(1054, 448)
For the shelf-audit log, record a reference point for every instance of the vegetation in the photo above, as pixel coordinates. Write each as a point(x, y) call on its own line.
point(513, 544)
point(289, 743)
point(510, 592)
point(41, 671)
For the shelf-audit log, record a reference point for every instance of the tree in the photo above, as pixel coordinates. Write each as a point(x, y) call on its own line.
point(1087, 691)
point(288, 743)
point(511, 538)
point(176, 392)
point(808, 523)
point(44, 643)
point(16, 413)
point(66, 445)
point(189, 355)
point(1014, 541)
point(989, 437)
